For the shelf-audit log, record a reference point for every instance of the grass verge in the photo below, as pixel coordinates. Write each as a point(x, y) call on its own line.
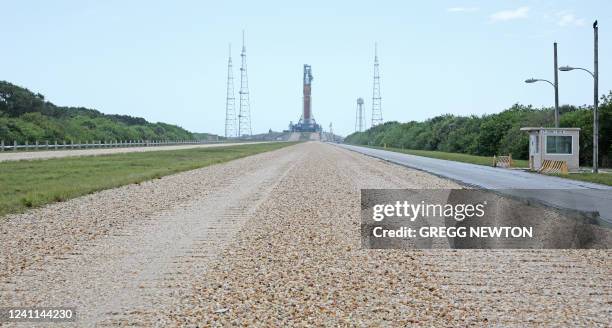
point(465, 158)
point(601, 178)
point(26, 184)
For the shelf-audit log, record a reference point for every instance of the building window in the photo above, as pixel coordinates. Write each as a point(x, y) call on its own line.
point(558, 144)
point(537, 144)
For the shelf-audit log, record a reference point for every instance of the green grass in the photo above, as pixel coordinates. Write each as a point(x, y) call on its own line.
point(465, 158)
point(26, 184)
point(602, 178)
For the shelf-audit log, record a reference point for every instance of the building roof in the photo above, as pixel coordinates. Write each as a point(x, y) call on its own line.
point(543, 128)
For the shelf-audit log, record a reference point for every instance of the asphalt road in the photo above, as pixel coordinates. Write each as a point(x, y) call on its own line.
point(550, 190)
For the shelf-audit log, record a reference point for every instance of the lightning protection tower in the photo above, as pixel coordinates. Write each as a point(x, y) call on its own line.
point(230, 101)
point(244, 116)
point(376, 107)
point(359, 116)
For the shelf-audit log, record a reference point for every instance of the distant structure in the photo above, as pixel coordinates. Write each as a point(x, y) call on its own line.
point(360, 123)
point(244, 116)
point(230, 101)
point(307, 122)
point(331, 133)
point(376, 107)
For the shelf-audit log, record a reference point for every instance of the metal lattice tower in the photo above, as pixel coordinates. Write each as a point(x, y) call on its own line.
point(331, 133)
point(244, 116)
point(376, 99)
point(360, 123)
point(230, 101)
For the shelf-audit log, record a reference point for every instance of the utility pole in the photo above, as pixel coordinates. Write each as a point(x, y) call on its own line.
point(596, 102)
point(230, 101)
point(595, 75)
point(555, 85)
point(556, 88)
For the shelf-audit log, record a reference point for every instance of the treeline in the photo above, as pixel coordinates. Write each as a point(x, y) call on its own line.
point(494, 134)
point(27, 116)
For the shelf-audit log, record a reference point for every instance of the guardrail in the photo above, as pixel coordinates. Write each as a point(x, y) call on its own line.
point(64, 144)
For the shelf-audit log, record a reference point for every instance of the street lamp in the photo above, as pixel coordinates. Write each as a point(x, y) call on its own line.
point(532, 80)
point(570, 68)
point(595, 75)
point(554, 85)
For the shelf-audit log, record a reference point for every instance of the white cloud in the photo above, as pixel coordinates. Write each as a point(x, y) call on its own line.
point(462, 9)
point(507, 15)
point(567, 18)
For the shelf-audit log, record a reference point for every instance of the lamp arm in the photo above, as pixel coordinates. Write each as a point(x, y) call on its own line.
point(586, 70)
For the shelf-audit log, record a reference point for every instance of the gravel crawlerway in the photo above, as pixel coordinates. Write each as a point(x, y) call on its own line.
point(134, 247)
point(299, 263)
point(273, 240)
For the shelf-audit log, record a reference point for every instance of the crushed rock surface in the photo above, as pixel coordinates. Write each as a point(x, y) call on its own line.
point(282, 249)
point(299, 263)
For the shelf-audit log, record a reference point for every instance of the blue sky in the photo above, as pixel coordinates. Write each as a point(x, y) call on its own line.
point(166, 60)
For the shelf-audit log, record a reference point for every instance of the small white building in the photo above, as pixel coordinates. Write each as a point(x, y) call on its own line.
point(557, 144)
